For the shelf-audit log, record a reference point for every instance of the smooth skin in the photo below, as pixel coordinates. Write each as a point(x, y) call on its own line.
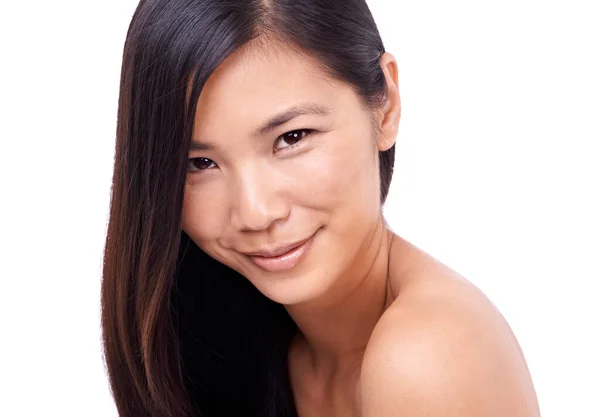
point(385, 329)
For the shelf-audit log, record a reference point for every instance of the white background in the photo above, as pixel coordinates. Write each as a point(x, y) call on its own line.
point(497, 175)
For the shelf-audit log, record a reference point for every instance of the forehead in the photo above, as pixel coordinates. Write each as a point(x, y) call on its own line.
point(256, 82)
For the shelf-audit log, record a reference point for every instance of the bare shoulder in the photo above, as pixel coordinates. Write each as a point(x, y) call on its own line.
point(442, 348)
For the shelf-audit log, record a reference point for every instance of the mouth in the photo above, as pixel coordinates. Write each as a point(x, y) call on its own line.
point(283, 258)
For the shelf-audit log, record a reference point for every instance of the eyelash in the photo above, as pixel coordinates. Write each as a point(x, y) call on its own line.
point(307, 133)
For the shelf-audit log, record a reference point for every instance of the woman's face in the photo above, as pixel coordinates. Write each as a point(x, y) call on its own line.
point(282, 153)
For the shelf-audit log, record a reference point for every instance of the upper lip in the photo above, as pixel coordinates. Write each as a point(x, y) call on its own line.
point(271, 252)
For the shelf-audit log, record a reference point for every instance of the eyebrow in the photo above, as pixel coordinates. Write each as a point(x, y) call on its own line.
point(274, 122)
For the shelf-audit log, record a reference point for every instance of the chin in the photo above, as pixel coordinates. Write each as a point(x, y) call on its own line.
point(287, 278)
point(292, 289)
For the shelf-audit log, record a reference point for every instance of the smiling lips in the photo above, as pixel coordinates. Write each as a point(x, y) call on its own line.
point(281, 259)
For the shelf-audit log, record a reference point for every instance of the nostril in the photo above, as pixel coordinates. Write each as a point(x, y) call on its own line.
point(254, 217)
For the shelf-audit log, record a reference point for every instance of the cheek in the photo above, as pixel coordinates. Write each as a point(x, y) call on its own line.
point(202, 217)
point(342, 176)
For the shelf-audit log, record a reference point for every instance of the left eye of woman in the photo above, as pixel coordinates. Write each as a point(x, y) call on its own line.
point(291, 138)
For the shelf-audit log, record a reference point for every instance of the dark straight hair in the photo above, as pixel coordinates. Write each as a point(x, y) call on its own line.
point(183, 334)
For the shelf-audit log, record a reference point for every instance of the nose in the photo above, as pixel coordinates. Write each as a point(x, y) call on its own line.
point(256, 200)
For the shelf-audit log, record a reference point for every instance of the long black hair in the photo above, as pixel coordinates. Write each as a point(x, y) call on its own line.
point(183, 334)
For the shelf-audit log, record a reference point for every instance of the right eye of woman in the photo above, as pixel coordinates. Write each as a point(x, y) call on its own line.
point(200, 164)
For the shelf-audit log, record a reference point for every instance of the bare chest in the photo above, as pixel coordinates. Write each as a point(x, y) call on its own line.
point(311, 402)
point(334, 396)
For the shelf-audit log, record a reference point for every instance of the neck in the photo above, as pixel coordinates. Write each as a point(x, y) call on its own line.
point(335, 328)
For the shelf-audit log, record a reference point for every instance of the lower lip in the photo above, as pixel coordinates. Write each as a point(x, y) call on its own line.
point(283, 262)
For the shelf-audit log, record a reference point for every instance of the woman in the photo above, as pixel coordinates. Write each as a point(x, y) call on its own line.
point(248, 266)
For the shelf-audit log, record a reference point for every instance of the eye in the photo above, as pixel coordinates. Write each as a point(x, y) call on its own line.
point(200, 164)
point(291, 138)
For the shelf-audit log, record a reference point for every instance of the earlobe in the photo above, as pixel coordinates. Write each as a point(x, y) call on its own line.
point(389, 116)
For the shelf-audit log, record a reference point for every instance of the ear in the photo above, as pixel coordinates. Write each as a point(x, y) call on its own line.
point(388, 117)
